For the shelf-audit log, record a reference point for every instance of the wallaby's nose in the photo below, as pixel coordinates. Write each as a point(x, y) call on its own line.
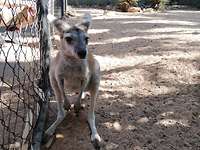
point(82, 54)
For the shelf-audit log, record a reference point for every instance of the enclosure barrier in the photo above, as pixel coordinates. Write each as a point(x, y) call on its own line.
point(24, 64)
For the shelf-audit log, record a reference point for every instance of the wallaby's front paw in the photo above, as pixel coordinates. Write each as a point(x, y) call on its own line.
point(67, 105)
point(77, 107)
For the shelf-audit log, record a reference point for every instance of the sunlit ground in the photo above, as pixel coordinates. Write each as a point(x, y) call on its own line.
point(149, 92)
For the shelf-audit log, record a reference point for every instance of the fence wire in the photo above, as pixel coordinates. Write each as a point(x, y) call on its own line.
point(20, 70)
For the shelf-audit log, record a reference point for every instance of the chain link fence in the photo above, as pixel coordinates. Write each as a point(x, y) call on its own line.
point(24, 60)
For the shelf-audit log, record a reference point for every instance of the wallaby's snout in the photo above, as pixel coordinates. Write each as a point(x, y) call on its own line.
point(82, 54)
point(80, 43)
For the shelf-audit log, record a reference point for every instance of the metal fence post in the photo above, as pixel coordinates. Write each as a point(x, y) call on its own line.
point(51, 11)
point(44, 84)
point(62, 7)
point(66, 6)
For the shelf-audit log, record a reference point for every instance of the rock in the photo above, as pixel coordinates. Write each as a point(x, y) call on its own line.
point(134, 9)
point(137, 148)
point(111, 146)
point(143, 120)
point(117, 126)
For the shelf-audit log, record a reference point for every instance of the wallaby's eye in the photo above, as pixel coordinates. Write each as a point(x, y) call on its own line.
point(69, 40)
point(86, 40)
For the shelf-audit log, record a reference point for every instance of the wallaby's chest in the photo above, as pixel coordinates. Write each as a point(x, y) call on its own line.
point(75, 75)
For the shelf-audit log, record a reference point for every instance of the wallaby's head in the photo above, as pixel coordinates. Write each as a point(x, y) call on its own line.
point(74, 39)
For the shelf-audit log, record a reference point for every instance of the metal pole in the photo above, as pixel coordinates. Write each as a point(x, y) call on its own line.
point(51, 7)
point(44, 84)
point(51, 11)
point(66, 6)
point(62, 7)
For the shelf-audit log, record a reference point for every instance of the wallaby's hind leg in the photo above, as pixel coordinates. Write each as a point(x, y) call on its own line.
point(57, 86)
point(95, 138)
point(60, 116)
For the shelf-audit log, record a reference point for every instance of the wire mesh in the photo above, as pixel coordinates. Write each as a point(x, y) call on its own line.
point(20, 69)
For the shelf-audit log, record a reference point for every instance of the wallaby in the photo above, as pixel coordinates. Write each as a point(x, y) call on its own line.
point(75, 69)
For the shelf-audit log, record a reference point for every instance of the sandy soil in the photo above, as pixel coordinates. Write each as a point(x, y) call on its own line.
point(150, 88)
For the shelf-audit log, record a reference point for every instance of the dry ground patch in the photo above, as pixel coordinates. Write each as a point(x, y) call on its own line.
point(150, 87)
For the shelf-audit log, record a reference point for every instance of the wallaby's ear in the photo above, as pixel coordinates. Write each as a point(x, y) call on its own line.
point(85, 24)
point(60, 24)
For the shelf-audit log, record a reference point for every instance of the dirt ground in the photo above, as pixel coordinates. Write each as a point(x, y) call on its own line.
point(149, 95)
